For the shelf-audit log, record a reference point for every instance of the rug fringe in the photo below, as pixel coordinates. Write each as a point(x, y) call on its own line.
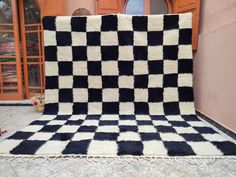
point(98, 159)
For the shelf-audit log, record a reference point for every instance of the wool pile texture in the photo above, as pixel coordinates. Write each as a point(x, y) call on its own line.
point(118, 85)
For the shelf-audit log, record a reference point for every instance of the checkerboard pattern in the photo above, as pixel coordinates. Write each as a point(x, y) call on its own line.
point(118, 85)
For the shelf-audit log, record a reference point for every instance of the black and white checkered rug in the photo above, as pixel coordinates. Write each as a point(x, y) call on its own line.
point(118, 85)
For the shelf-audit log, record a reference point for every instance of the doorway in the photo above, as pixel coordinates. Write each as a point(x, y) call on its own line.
point(21, 50)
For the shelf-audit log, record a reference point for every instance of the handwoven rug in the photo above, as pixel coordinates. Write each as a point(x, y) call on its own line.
point(118, 85)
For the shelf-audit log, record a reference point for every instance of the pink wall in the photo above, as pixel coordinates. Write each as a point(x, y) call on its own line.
point(72, 5)
point(215, 62)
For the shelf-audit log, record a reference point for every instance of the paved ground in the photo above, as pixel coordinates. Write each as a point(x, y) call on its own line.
point(14, 118)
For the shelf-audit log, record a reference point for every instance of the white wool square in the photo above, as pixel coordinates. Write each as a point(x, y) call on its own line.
point(185, 20)
point(171, 94)
point(140, 67)
point(171, 137)
point(127, 122)
point(170, 66)
point(65, 108)
point(155, 23)
point(94, 81)
point(141, 95)
point(215, 137)
point(94, 53)
point(7, 145)
point(109, 117)
point(185, 80)
point(185, 52)
point(102, 148)
point(51, 69)
point(126, 107)
point(125, 23)
point(47, 117)
point(64, 53)
point(32, 128)
point(66, 82)
point(197, 123)
point(68, 129)
point(205, 148)
point(126, 81)
point(90, 123)
point(108, 129)
point(77, 117)
point(110, 95)
point(154, 148)
point(52, 147)
point(78, 38)
point(156, 109)
point(140, 38)
point(171, 37)
point(110, 68)
point(186, 108)
point(51, 38)
point(161, 123)
point(181, 130)
point(80, 95)
point(143, 117)
point(43, 136)
point(129, 136)
point(155, 80)
point(80, 68)
point(56, 122)
point(146, 129)
point(94, 107)
point(52, 96)
point(126, 53)
point(174, 118)
point(109, 38)
point(63, 23)
point(155, 53)
point(83, 136)
point(94, 23)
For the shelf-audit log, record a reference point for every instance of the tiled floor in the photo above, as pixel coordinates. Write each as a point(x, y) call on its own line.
point(14, 118)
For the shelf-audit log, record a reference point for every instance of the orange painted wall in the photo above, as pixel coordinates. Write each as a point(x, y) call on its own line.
point(215, 62)
point(72, 5)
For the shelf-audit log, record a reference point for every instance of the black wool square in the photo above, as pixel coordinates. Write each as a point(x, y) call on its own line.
point(94, 68)
point(95, 95)
point(51, 82)
point(155, 38)
point(65, 68)
point(171, 108)
point(185, 94)
point(80, 108)
point(63, 38)
point(127, 117)
point(85, 128)
point(171, 22)
point(108, 122)
point(62, 117)
point(21, 135)
point(62, 136)
point(130, 148)
point(125, 67)
point(72, 147)
point(128, 128)
point(174, 149)
point(144, 122)
point(185, 66)
point(165, 129)
point(155, 95)
point(205, 130)
point(125, 38)
point(50, 128)
point(170, 80)
point(51, 108)
point(140, 53)
point(80, 81)
point(105, 136)
point(93, 117)
point(141, 81)
point(109, 23)
point(126, 95)
point(50, 53)
point(93, 38)
point(150, 136)
point(79, 53)
point(227, 147)
point(140, 23)
point(193, 137)
point(109, 53)
point(170, 52)
point(49, 23)
point(155, 67)
point(141, 108)
point(185, 36)
point(179, 124)
point(110, 108)
point(78, 24)
point(109, 81)
point(65, 95)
